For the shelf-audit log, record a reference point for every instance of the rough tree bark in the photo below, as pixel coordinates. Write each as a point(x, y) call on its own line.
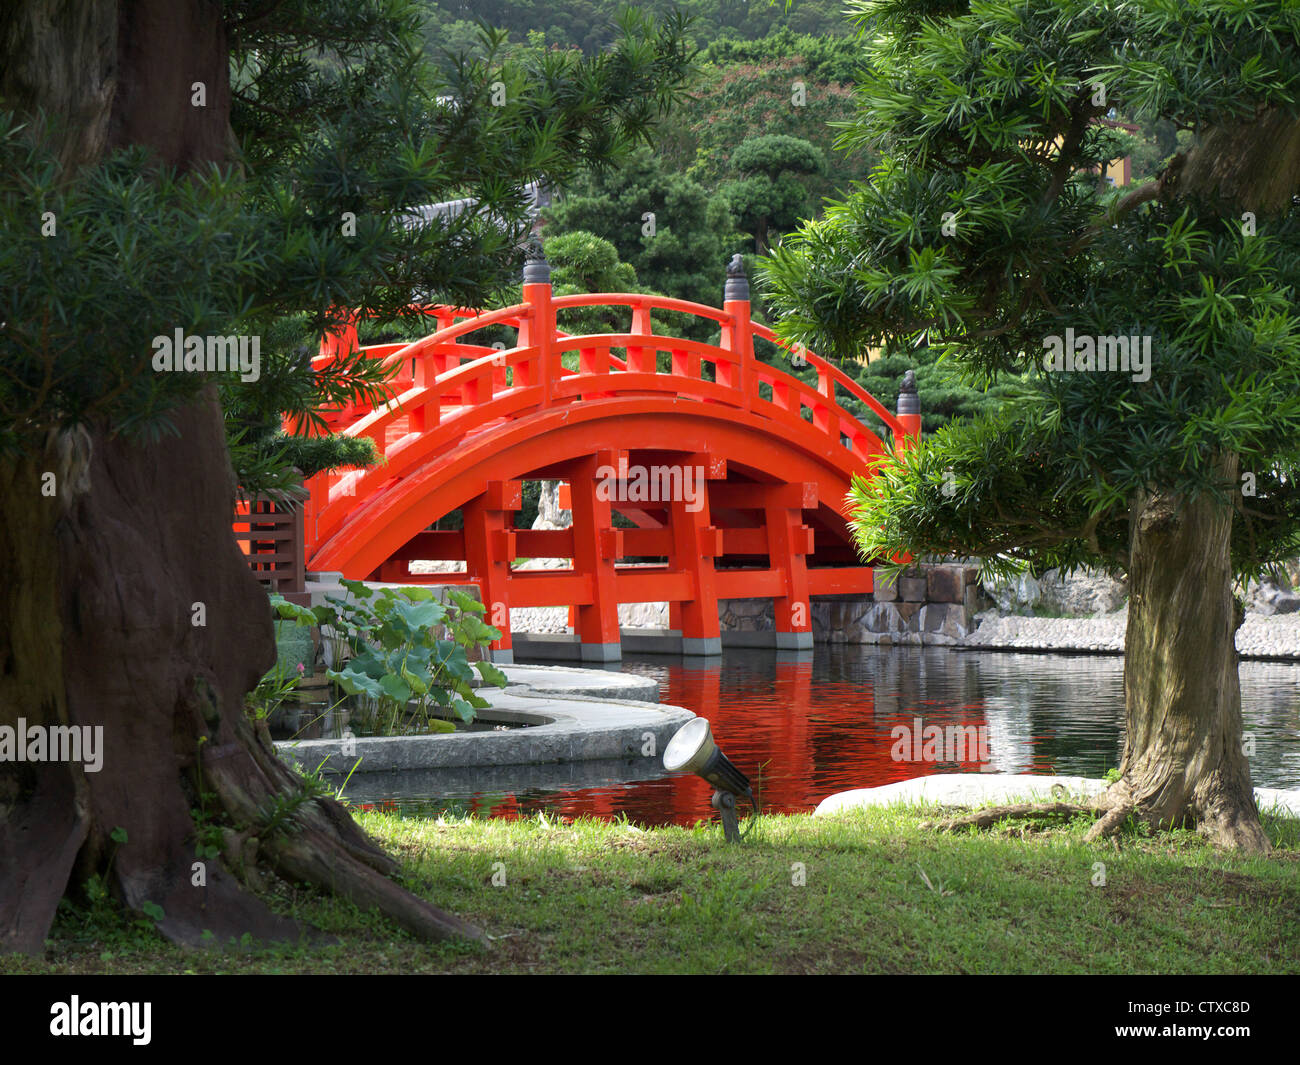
point(101, 579)
point(1183, 763)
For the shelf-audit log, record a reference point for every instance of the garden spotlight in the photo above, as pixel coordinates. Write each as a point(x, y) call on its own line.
point(692, 750)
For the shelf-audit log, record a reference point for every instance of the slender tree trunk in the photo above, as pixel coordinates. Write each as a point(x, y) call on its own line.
point(1183, 762)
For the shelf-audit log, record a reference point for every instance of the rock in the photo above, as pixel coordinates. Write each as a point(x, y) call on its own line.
point(549, 514)
point(545, 563)
point(946, 619)
point(907, 611)
point(436, 566)
point(883, 617)
point(749, 608)
point(539, 619)
point(885, 590)
point(945, 584)
point(912, 589)
point(1286, 603)
point(1084, 593)
point(1267, 597)
point(1014, 595)
point(643, 615)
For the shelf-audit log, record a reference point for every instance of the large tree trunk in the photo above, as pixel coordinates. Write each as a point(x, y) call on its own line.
point(1183, 763)
point(107, 560)
point(43, 817)
point(99, 630)
point(127, 606)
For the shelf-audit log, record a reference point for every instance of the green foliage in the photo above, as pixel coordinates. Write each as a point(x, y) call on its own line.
point(686, 254)
point(822, 57)
point(776, 154)
point(783, 88)
point(1152, 148)
point(97, 915)
point(316, 783)
point(948, 397)
point(207, 821)
point(120, 261)
point(266, 459)
point(397, 663)
point(770, 194)
point(313, 454)
point(587, 263)
point(339, 118)
point(583, 262)
point(776, 91)
point(984, 118)
point(591, 24)
point(275, 686)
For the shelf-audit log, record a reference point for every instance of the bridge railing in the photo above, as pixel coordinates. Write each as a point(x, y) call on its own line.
point(444, 388)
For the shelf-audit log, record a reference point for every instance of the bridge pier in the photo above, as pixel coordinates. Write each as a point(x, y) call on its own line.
point(789, 541)
point(595, 551)
point(695, 544)
point(489, 551)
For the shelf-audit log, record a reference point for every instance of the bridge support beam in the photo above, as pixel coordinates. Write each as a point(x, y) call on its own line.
point(489, 550)
point(696, 543)
point(789, 542)
point(594, 555)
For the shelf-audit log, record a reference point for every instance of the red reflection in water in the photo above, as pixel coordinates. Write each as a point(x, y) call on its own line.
point(798, 742)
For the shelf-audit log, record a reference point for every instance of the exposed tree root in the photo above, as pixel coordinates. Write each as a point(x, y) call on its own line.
point(991, 815)
point(317, 842)
point(109, 642)
point(1110, 822)
point(1230, 827)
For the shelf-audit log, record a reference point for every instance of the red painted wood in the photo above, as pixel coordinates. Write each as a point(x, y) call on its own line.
point(465, 423)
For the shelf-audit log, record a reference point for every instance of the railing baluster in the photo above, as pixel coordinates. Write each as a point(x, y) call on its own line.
point(641, 360)
point(686, 364)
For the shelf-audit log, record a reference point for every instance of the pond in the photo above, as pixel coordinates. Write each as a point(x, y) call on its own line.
point(806, 726)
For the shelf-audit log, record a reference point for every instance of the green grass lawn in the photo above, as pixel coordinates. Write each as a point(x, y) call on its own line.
point(881, 894)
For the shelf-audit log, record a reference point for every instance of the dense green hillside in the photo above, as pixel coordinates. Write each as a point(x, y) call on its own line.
point(739, 164)
point(589, 24)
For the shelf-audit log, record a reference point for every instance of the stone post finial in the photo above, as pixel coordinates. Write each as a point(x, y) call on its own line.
point(737, 287)
point(908, 400)
point(537, 271)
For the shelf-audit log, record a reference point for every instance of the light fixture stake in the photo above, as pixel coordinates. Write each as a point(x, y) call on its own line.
point(725, 803)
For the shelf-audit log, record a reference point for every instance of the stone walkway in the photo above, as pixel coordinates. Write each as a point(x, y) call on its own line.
point(1276, 636)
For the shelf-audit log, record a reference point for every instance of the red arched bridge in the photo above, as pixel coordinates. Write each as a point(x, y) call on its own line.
point(732, 471)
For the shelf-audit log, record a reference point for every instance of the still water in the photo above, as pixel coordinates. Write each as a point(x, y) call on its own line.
point(806, 726)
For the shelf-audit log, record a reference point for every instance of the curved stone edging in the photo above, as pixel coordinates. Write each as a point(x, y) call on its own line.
point(588, 683)
point(974, 789)
point(565, 727)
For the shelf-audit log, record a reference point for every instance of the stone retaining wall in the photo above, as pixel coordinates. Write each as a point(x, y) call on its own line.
point(931, 604)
